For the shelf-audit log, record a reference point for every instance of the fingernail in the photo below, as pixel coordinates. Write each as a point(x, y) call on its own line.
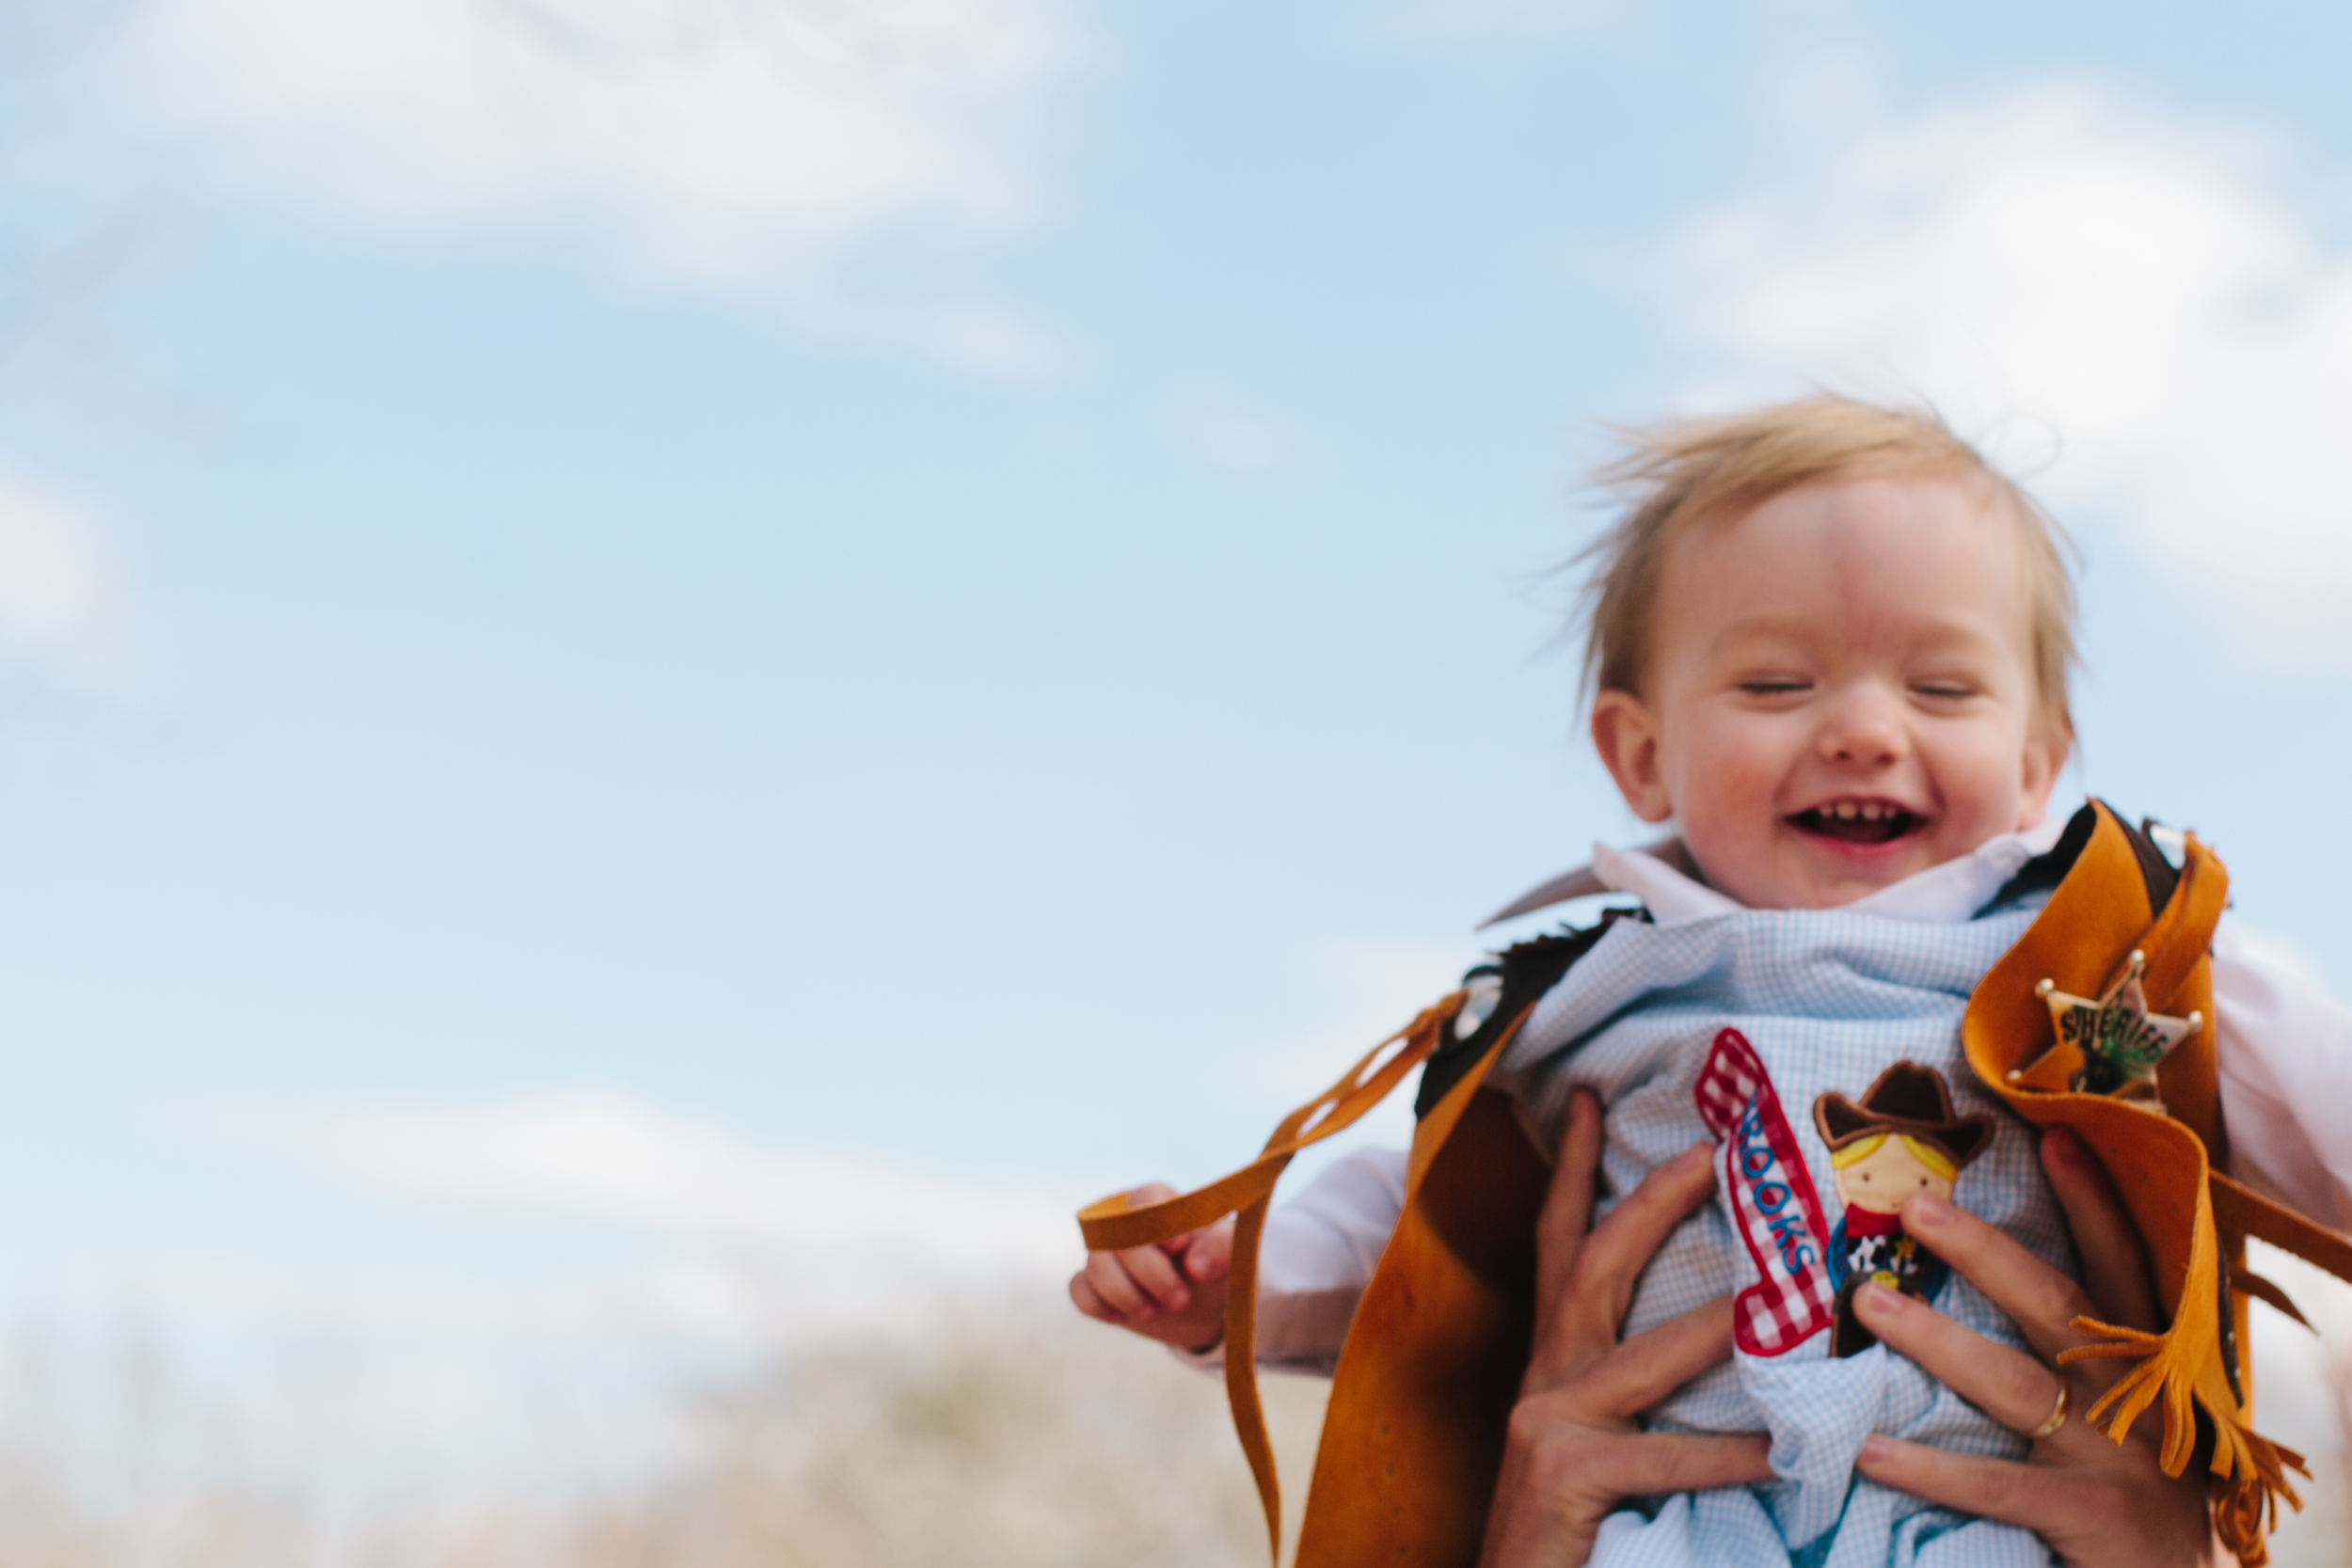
point(1874, 1449)
point(1928, 1211)
point(1877, 1301)
point(1697, 1154)
point(2059, 1144)
point(1182, 1300)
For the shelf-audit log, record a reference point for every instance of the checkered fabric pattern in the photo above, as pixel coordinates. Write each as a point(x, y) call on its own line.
point(1823, 999)
point(1772, 1199)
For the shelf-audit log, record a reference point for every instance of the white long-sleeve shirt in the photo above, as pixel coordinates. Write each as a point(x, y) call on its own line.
point(2284, 1051)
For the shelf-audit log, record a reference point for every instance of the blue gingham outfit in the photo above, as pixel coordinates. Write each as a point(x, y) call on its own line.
point(1828, 998)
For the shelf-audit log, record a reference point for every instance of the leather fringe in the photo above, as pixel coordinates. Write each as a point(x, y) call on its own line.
point(2249, 1471)
point(2249, 1478)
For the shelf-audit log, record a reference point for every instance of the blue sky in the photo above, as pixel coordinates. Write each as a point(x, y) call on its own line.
point(660, 656)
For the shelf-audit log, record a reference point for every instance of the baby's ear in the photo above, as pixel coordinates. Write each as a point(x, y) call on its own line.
point(2046, 750)
point(1626, 733)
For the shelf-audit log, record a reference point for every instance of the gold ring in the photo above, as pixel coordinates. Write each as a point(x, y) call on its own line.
point(2056, 1419)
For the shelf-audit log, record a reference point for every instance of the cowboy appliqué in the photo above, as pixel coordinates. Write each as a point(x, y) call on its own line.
point(1901, 1141)
point(2110, 1045)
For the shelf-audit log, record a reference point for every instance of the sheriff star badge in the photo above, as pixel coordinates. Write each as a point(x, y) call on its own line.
point(2109, 1045)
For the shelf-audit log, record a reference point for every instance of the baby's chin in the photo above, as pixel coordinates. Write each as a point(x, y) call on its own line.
point(1801, 870)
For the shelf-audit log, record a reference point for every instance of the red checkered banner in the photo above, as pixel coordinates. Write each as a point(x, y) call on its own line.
point(1773, 1202)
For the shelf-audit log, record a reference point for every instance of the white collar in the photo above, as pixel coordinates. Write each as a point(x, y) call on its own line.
point(1670, 896)
point(1943, 893)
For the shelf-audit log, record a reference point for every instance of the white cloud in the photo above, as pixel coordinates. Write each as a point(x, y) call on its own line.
point(67, 613)
point(741, 146)
point(990, 341)
point(1422, 25)
point(607, 1156)
point(1230, 440)
point(2149, 289)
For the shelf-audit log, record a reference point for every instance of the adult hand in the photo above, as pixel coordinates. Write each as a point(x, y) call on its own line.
point(2095, 1503)
point(1574, 1452)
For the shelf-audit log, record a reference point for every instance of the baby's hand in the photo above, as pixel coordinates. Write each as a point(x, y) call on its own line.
point(1173, 1293)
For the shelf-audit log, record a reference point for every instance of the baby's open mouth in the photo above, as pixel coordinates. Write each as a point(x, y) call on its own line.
point(1859, 821)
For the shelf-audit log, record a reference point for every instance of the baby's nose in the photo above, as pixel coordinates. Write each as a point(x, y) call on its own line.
point(1865, 726)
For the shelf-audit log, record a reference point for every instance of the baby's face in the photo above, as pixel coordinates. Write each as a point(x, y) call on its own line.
point(1839, 692)
point(1881, 1180)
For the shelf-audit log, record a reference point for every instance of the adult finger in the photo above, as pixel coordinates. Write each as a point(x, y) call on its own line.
point(1561, 1344)
point(2040, 1497)
point(2040, 1300)
point(1621, 1245)
point(1560, 1479)
point(2114, 1260)
point(2013, 1388)
point(1567, 1210)
point(1656, 1463)
point(1654, 1363)
point(1577, 1318)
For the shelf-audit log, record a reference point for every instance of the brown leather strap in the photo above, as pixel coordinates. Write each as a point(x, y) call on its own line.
point(1241, 1368)
point(1422, 1400)
point(2183, 930)
point(1113, 1225)
point(2180, 980)
point(2243, 1210)
point(2246, 1282)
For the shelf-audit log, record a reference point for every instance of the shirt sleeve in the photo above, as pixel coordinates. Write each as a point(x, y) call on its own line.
point(2285, 1059)
point(1316, 1258)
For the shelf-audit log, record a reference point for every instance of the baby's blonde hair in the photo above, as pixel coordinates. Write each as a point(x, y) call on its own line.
point(1673, 477)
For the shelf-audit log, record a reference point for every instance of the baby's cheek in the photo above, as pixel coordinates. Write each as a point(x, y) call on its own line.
point(1981, 786)
point(1728, 816)
point(1741, 781)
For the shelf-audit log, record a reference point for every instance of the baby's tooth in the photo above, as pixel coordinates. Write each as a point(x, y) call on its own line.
point(1845, 810)
point(1870, 812)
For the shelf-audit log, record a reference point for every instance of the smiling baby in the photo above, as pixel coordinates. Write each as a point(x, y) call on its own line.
point(1832, 646)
